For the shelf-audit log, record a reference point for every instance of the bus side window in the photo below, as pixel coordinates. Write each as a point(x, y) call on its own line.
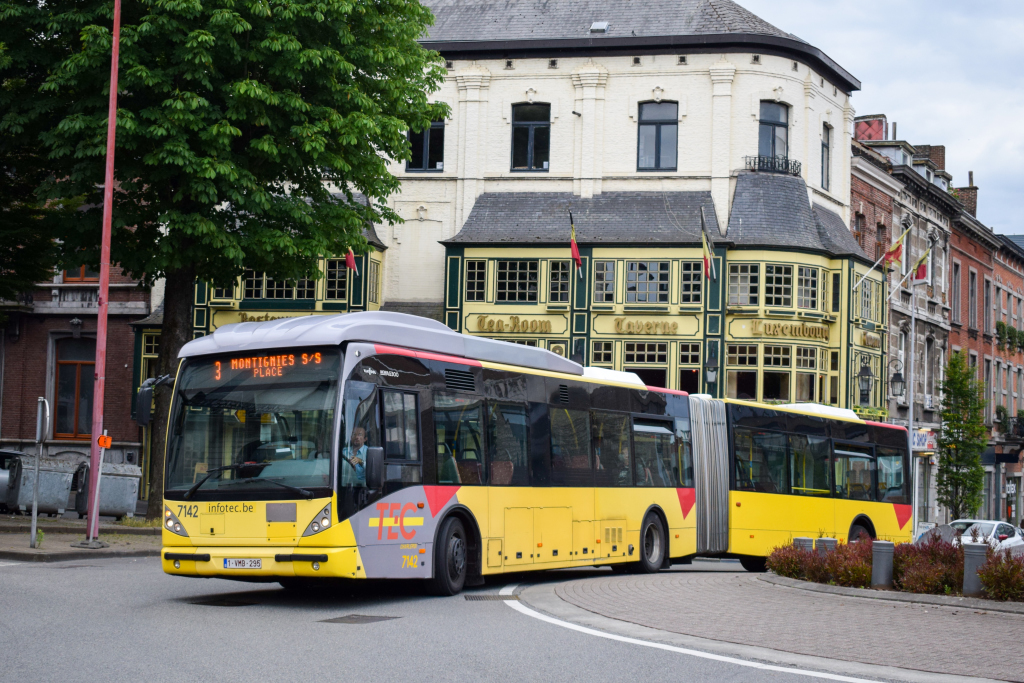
point(459, 433)
point(570, 447)
point(891, 481)
point(854, 467)
point(652, 457)
point(611, 448)
point(808, 465)
point(401, 434)
point(761, 461)
point(684, 453)
point(508, 438)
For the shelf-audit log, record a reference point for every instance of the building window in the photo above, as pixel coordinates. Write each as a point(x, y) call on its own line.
point(150, 354)
point(807, 287)
point(858, 229)
point(604, 282)
point(373, 282)
point(658, 133)
point(837, 279)
point(559, 282)
point(955, 293)
point(602, 352)
point(988, 307)
point(283, 289)
point(223, 292)
point(691, 278)
point(806, 359)
point(689, 377)
point(777, 356)
point(743, 283)
point(880, 243)
point(523, 342)
point(866, 300)
point(972, 299)
point(427, 148)
point(647, 282)
point(276, 289)
point(337, 279)
point(646, 352)
point(476, 282)
point(742, 383)
point(253, 284)
point(773, 134)
point(76, 361)
point(531, 137)
point(778, 286)
point(81, 274)
point(826, 155)
point(517, 281)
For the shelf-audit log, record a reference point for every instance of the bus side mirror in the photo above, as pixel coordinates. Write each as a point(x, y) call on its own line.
point(144, 405)
point(375, 467)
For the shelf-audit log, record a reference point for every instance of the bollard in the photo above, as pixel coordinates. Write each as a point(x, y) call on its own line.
point(803, 543)
point(881, 564)
point(975, 555)
point(824, 545)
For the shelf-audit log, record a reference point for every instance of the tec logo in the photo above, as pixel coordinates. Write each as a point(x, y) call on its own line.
point(394, 515)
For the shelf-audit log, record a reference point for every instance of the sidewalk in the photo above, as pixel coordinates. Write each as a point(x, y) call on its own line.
point(58, 537)
point(739, 608)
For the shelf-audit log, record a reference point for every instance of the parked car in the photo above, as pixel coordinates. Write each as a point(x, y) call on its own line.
point(999, 535)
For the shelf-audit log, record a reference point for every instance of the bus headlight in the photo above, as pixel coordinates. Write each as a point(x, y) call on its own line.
point(321, 521)
point(172, 524)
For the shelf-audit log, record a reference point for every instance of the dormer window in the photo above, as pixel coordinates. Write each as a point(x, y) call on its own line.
point(531, 137)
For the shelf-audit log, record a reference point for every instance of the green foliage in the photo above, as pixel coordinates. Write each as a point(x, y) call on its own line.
point(1012, 339)
point(1000, 334)
point(960, 476)
point(934, 566)
point(848, 565)
point(235, 121)
point(1002, 414)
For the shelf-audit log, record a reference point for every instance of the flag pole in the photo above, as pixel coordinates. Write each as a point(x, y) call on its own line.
point(882, 258)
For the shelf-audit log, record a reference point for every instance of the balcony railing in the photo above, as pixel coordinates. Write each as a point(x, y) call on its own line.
point(773, 165)
point(1011, 429)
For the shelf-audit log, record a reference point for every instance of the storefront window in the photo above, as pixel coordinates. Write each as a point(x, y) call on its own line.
point(604, 282)
point(743, 284)
point(517, 281)
point(647, 281)
point(476, 274)
point(806, 359)
point(807, 288)
point(602, 352)
point(559, 282)
point(691, 278)
point(689, 377)
point(778, 285)
point(337, 279)
point(776, 384)
point(742, 383)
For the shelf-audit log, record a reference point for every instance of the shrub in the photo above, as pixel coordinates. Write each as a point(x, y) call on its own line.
point(787, 561)
point(934, 566)
point(1002, 576)
point(816, 567)
point(850, 564)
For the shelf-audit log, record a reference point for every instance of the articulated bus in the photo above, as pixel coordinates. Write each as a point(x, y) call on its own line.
point(381, 445)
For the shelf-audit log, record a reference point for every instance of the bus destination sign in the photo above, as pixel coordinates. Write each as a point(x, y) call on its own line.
point(263, 366)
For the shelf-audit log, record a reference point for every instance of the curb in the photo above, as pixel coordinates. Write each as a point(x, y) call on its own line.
point(21, 556)
point(543, 598)
point(896, 596)
point(80, 529)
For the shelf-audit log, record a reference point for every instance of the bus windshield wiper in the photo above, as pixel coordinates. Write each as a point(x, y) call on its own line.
point(249, 480)
point(218, 470)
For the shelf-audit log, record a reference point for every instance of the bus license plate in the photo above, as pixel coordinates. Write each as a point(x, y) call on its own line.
point(243, 564)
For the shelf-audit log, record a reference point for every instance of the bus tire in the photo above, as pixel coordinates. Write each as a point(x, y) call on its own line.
point(451, 558)
point(856, 531)
point(653, 544)
point(754, 564)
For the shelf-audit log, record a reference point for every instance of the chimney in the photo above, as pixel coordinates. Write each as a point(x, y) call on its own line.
point(894, 131)
point(969, 195)
point(937, 153)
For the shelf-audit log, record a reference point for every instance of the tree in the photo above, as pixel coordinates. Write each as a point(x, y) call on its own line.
point(235, 121)
point(960, 477)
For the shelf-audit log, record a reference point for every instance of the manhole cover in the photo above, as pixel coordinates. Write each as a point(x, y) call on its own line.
point(355, 619)
point(492, 597)
point(224, 602)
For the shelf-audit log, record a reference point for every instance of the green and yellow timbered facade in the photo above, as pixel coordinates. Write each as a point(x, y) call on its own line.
point(779, 321)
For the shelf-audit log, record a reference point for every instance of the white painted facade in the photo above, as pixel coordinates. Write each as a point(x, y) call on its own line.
point(594, 136)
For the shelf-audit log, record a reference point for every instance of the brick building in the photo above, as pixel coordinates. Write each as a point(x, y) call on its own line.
point(48, 347)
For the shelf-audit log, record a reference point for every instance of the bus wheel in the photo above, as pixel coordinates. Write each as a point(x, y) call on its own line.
point(753, 564)
point(856, 531)
point(450, 558)
point(652, 544)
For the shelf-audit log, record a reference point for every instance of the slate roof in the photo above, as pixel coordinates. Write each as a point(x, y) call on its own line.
point(772, 210)
point(504, 20)
point(542, 218)
point(1016, 239)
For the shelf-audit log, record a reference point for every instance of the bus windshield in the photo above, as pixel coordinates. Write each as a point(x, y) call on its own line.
point(254, 426)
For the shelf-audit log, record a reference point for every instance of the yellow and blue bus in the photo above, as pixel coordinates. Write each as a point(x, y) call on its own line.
point(381, 445)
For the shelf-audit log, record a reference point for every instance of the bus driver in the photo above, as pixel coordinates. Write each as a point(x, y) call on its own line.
point(355, 454)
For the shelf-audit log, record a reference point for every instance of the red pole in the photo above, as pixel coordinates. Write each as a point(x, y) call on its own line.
point(96, 454)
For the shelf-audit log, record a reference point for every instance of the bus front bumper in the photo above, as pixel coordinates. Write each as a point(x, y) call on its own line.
point(235, 562)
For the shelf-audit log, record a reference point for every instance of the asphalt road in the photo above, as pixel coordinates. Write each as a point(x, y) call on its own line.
point(124, 620)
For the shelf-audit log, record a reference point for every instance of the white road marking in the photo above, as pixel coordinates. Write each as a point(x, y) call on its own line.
point(509, 589)
point(519, 607)
point(9, 564)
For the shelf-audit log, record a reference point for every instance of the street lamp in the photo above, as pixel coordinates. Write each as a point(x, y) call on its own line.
point(897, 384)
point(710, 370)
point(864, 378)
